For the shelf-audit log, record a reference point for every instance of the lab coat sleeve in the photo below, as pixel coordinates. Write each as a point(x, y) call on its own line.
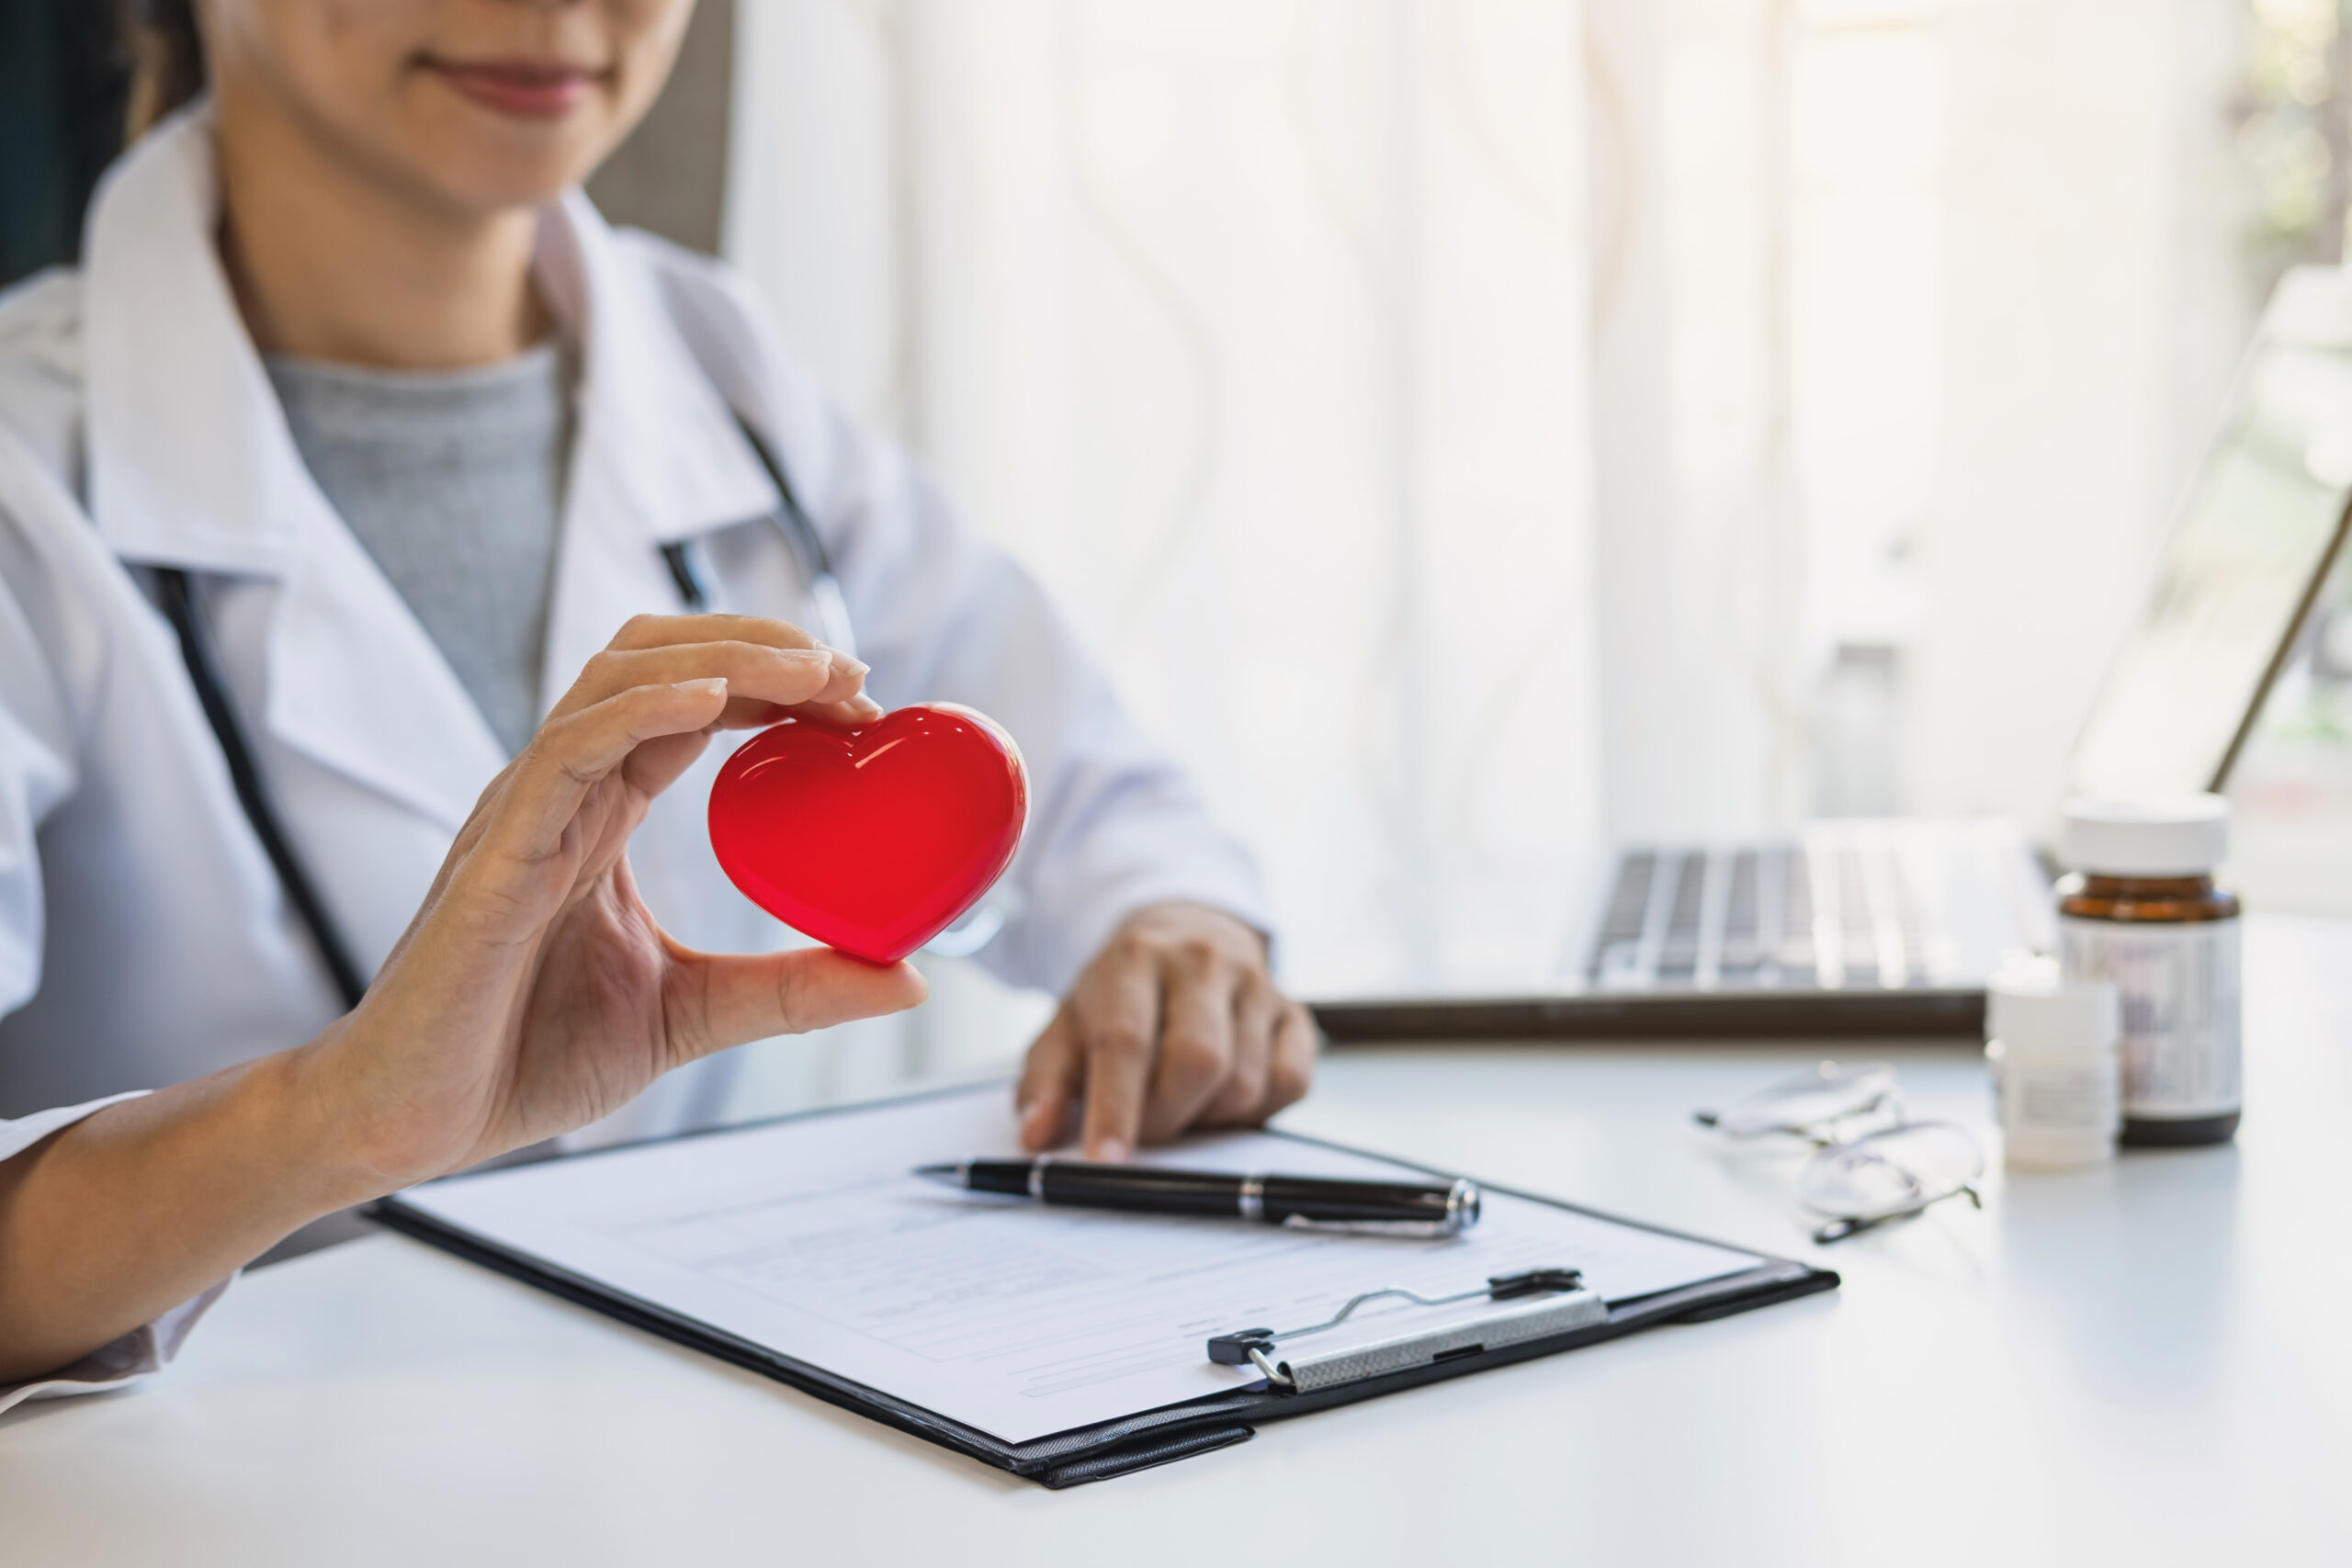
point(37, 753)
point(38, 772)
point(142, 1350)
point(942, 615)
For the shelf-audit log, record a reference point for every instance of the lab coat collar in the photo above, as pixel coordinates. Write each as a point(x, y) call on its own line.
point(656, 428)
point(656, 454)
point(190, 464)
point(191, 460)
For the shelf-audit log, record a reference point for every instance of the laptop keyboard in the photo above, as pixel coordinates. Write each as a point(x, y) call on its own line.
point(1832, 912)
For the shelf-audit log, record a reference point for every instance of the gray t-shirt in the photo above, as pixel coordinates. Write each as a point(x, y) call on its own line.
point(454, 482)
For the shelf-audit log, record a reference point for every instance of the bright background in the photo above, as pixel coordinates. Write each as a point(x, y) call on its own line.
point(1469, 429)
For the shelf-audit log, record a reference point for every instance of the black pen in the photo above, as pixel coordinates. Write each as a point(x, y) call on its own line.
point(1393, 1208)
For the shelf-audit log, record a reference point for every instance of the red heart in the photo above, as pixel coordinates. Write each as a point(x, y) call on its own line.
point(871, 838)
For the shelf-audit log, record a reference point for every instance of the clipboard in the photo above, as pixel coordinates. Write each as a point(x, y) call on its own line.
point(1526, 1320)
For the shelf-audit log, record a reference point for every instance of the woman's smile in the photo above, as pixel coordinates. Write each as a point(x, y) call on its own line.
point(525, 89)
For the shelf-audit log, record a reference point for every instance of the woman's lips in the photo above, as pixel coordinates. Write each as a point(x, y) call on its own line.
point(526, 91)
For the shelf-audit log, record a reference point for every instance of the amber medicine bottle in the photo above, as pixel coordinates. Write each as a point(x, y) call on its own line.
point(2140, 908)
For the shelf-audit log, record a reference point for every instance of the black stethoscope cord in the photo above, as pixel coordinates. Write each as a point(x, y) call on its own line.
point(178, 600)
point(177, 597)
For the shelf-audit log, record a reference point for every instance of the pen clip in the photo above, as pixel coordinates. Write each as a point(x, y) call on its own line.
point(1579, 1307)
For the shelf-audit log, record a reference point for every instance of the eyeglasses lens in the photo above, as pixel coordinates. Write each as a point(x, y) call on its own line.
point(1828, 1093)
point(1889, 1173)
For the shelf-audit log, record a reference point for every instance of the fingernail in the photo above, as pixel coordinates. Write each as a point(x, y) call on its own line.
point(805, 654)
point(713, 685)
point(848, 664)
point(1112, 1151)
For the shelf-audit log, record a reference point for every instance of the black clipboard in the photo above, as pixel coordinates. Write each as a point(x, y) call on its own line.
point(1152, 1438)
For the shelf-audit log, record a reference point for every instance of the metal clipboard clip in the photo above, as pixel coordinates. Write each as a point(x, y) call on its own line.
point(1564, 1302)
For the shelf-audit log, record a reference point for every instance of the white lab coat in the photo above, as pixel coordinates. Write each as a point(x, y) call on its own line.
point(143, 937)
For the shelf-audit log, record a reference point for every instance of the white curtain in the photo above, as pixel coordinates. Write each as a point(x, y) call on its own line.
point(1911, 318)
point(2097, 297)
point(1258, 330)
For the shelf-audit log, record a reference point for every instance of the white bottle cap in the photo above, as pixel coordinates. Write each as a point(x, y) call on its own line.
point(2186, 835)
point(2032, 1014)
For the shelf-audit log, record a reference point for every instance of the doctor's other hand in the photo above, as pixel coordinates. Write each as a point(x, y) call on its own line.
point(535, 993)
point(1176, 1023)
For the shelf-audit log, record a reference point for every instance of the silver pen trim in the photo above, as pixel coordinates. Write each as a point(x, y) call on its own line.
point(1037, 1176)
point(1251, 1203)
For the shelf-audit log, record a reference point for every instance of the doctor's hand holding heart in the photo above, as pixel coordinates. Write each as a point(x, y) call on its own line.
point(533, 994)
point(386, 541)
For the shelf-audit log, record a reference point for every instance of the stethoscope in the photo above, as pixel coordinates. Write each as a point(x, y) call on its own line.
point(832, 616)
point(178, 601)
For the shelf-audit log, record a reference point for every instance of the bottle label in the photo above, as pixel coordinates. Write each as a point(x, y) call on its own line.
point(2069, 1096)
point(2178, 984)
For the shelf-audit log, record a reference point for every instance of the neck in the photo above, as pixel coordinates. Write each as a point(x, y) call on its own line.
point(357, 270)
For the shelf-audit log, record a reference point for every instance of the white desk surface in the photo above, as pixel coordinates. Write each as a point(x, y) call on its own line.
point(2139, 1364)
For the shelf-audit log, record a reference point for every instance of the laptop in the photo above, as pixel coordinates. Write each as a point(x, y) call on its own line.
point(1891, 928)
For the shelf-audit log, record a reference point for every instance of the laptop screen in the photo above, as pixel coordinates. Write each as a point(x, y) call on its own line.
point(2263, 523)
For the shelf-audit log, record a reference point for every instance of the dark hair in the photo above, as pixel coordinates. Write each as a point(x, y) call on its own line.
point(64, 86)
point(167, 60)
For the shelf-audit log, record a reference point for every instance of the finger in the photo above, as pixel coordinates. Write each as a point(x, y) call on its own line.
point(1118, 1026)
point(655, 766)
point(663, 631)
point(1049, 1083)
point(570, 756)
point(713, 1000)
point(1297, 1041)
point(1195, 1040)
point(759, 678)
point(1257, 1013)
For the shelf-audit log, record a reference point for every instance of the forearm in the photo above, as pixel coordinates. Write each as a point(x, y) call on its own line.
point(534, 994)
point(118, 1218)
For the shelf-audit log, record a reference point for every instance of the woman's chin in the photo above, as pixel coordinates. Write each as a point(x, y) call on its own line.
point(490, 176)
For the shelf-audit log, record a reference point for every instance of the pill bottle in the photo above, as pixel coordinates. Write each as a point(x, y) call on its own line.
point(2140, 908)
point(2056, 1072)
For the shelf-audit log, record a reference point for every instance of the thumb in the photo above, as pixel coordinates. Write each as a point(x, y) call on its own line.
point(716, 1000)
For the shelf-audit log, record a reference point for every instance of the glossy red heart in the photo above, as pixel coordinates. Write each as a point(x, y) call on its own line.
point(871, 838)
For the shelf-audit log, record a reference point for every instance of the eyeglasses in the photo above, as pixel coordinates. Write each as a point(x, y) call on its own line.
point(1871, 1164)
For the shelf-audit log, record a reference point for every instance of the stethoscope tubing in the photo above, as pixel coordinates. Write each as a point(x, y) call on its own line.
point(177, 597)
point(178, 600)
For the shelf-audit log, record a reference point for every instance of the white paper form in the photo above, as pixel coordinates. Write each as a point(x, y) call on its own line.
point(809, 1237)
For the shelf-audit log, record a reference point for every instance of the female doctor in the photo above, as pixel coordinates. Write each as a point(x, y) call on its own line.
point(383, 539)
